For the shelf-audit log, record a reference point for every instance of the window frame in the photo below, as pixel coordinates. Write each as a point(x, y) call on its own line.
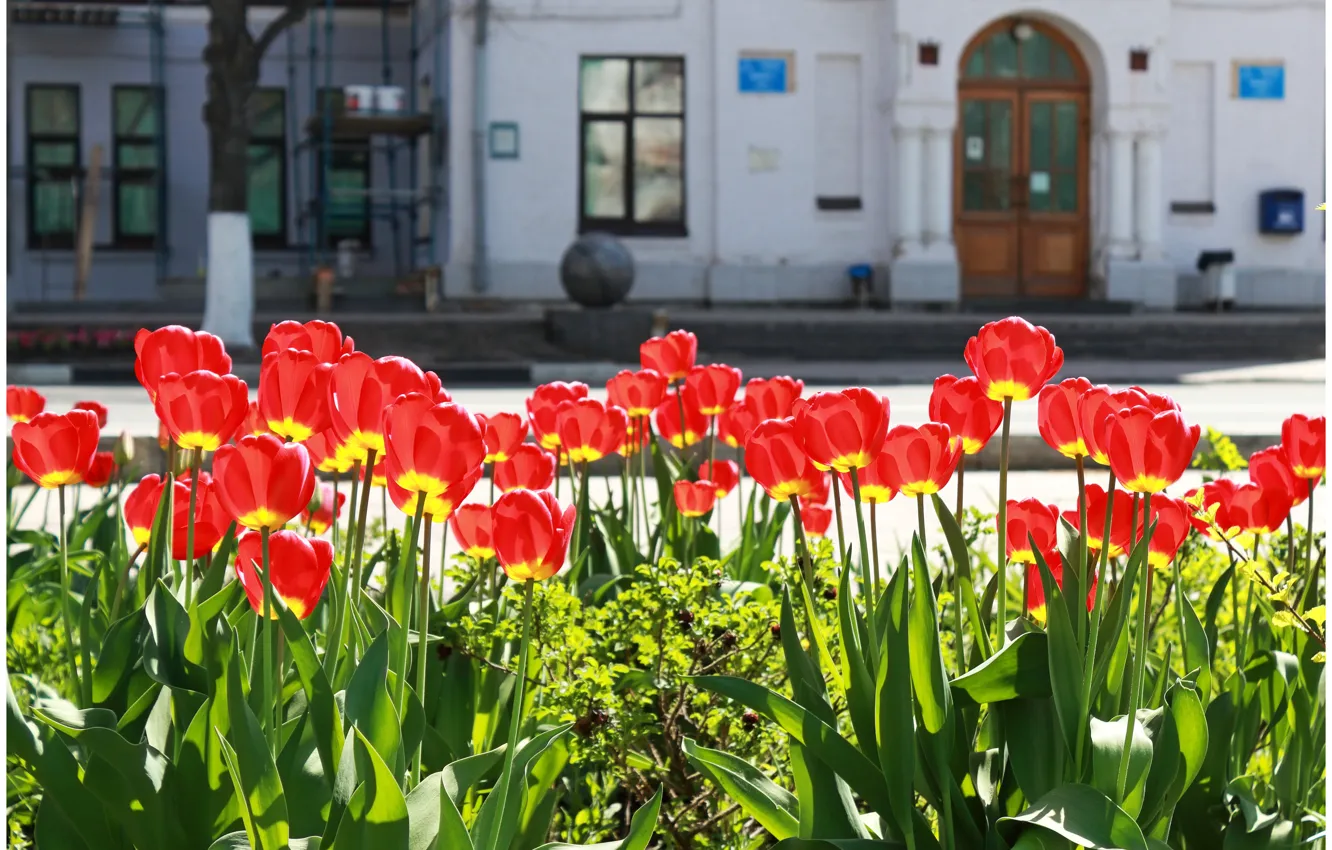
point(626, 225)
point(331, 100)
point(31, 142)
point(121, 177)
point(277, 145)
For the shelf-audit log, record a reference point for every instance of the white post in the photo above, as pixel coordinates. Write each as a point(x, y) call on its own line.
point(1121, 194)
point(939, 188)
point(1148, 180)
point(910, 144)
point(229, 282)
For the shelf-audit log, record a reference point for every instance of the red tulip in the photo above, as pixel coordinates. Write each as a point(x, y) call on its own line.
point(176, 349)
point(23, 403)
point(724, 473)
point(328, 454)
point(1255, 510)
point(874, 480)
point(713, 387)
point(1271, 469)
point(504, 433)
point(163, 438)
point(298, 570)
point(1172, 528)
point(1036, 588)
point(253, 424)
point(1121, 520)
point(293, 394)
point(774, 397)
point(589, 430)
point(1027, 520)
point(636, 437)
point(638, 393)
point(359, 391)
point(1149, 451)
point(55, 449)
point(324, 509)
point(844, 430)
point(1096, 406)
point(378, 475)
point(970, 415)
point(1057, 417)
point(141, 508)
point(473, 528)
point(101, 470)
point(695, 498)
point(201, 410)
point(666, 418)
point(1214, 498)
point(95, 407)
point(921, 460)
point(432, 449)
point(530, 468)
point(820, 492)
point(210, 518)
point(531, 534)
point(543, 407)
point(671, 356)
point(774, 458)
point(815, 519)
point(438, 506)
point(322, 339)
point(1013, 359)
point(262, 481)
point(1305, 443)
point(735, 424)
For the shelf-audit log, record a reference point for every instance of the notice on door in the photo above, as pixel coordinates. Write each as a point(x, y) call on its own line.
point(1040, 182)
point(975, 148)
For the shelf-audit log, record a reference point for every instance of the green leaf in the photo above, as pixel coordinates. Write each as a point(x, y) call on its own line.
point(1215, 599)
point(209, 801)
point(541, 795)
point(164, 654)
point(1034, 753)
point(957, 546)
point(1197, 650)
point(894, 707)
point(430, 816)
point(641, 828)
point(1081, 814)
point(775, 808)
point(120, 652)
point(255, 773)
point(1107, 741)
point(497, 822)
point(239, 841)
point(376, 814)
point(323, 711)
point(836, 844)
point(1065, 659)
point(1020, 670)
point(1116, 616)
point(928, 676)
point(370, 709)
point(857, 679)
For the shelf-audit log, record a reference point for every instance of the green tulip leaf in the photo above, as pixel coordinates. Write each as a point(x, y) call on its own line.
point(428, 813)
point(240, 841)
point(1020, 670)
point(497, 822)
point(894, 708)
point(641, 828)
point(376, 814)
point(928, 676)
point(323, 710)
point(253, 770)
point(369, 707)
point(776, 809)
point(164, 655)
point(1082, 815)
point(1107, 741)
point(1065, 658)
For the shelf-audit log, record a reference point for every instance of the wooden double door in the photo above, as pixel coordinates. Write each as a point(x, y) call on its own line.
point(1021, 212)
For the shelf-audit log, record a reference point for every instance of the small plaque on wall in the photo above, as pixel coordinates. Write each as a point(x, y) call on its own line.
point(766, 72)
point(1253, 80)
point(503, 140)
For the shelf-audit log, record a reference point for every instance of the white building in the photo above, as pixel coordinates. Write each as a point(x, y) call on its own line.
point(754, 150)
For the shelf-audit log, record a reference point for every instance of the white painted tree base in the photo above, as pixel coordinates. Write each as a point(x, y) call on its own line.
point(229, 285)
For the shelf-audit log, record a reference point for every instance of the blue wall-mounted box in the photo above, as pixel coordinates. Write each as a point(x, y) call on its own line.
point(1281, 211)
point(765, 74)
point(1260, 81)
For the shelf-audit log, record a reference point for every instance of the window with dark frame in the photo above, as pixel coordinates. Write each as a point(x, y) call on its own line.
point(631, 145)
point(348, 190)
point(54, 164)
point(136, 170)
point(267, 190)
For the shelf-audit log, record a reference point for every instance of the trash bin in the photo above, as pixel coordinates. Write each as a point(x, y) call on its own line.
point(1218, 271)
point(347, 249)
point(861, 276)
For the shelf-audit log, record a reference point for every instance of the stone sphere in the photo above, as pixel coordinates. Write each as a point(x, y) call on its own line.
point(597, 270)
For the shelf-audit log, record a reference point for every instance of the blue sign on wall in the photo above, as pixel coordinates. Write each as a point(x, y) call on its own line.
point(763, 75)
point(1260, 82)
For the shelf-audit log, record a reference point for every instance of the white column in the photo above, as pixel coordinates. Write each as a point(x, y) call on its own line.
point(910, 144)
point(1121, 193)
point(939, 188)
point(1147, 190)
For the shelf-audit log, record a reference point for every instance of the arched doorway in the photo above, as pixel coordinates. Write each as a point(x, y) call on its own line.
point(1021, 215)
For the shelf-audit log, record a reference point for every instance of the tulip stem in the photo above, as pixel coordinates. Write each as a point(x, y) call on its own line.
point(1139, 656)
point(408, 574)
point(920, 521)
point(267, 650)
point(422, 633)
point(358, 549)
point(837, 507)
point(1002, 524)
point(740, 503)
point(684, 428)
point(334, 511)
point(15, 517)
point(82, 687)
point(712, 445)
point(516, 707)
point(1081, 621)
point(1312, 580)
point(961, 479)
point(802, 546)
point(1102, 559)
point(196, 460)
point(866, 588)
point(338, 629)
point(874, 543)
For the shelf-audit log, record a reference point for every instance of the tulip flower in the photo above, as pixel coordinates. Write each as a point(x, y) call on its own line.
point(322, 339)
point(101, 470)
point(671, 356)
point(1271, 469)
point(695, 498)
point(96, 407)
point(210, 518)
point(432, 448)
point(55, 449)
point(1028, 520)
point(298, 570)
point(724, 473)
point(530, 468)
point(1149, 451)
point(874, 486)
point(473, 528)
point(543, 407)
point(262, 481)
point(1305, 443)
point(971, 416)
point(439, 507)
point(201, 410)
point(1035, 596)
point(23, 403)
point(327, 454)
point(589, 430)
point(1120, 521)
point(638, 393)
point(531, 534)
point(636, 437)
point(141, 508)
point(324, 509)
point(772, 398)
point(713, 387)
point(1096, 406)
point(1213, 515)
point(819, 493)
point(920, 460)
point(736, 422)
point(1256, 510)
point(504, 433)
point(163, 438)
point(844, 430)
point(293, 394)
point(253, 424)
point(1057, 417)
point(1013, 359)
point(774, 458)
point(816, 519)
point(359, 391)
point(666, 418)
point(179, 350)
point(1172, 528)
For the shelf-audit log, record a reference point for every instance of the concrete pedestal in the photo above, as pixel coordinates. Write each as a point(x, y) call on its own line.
point(921, 280)
point(1148, 284)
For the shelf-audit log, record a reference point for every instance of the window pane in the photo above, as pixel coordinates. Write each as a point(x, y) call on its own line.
point(659, 85)
point(54, 154)
point(973, 122)
point(53, 208)
point(985, 191)
point(348, 180)
point(1038, 191)
point(1061, 65)
point(1001, 133)
point(1039, 137)
point(136, 156)
point(268, 114)
point(136, 209)
point(1066, 193)
point(53, 110)
point(975, 64)
point(604, 149)
point(265, 191)
point(1003, 55)
point(604, 86)
point(658, 188)
point(1066, 135)
point(136, 112)
point(1036, 56)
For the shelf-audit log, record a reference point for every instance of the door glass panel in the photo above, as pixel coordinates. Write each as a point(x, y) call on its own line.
point(987, 153)
point(1003, 56)
point(1038, 136)
point(1066, 135)
point(1000, 140)
point(1066, 193)
point(1036, 56)
point(1061, 66)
